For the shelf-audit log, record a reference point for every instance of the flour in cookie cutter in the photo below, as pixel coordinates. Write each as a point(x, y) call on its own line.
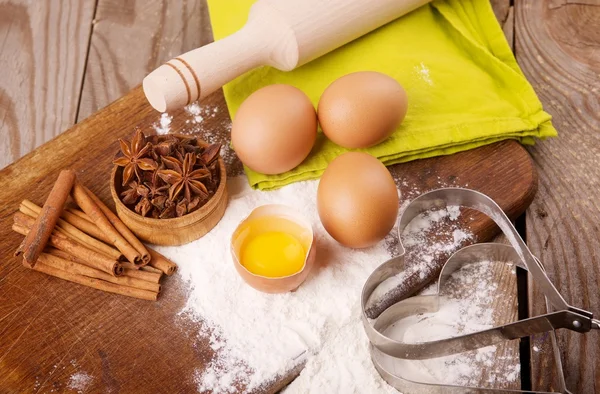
point(382, 346)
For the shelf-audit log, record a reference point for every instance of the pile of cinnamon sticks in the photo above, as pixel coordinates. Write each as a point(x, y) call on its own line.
point(91, 246)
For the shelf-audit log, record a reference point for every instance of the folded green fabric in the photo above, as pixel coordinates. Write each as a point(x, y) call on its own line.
point(464, 86)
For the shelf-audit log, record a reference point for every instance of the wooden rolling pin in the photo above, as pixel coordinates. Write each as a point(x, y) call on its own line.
point(282, 34)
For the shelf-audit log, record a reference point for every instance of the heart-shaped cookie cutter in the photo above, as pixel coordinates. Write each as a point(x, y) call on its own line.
point(564, 316)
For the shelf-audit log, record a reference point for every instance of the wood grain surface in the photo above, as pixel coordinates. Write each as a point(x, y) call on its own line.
point(43, 47)
point(50, 330)
point(558, 47)
point(132, 38)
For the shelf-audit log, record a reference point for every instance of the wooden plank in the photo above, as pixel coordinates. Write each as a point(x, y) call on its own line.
point(43, 48)
point(506, 311)
point(501, 10)
point(505, 307)
point(155, 32)
point(557, 47)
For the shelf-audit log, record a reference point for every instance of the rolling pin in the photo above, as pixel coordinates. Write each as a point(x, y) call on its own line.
point(284, 34)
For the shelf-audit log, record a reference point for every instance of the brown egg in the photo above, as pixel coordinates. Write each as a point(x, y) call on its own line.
point(274, 129)
point(362, 109)
point(357, 200)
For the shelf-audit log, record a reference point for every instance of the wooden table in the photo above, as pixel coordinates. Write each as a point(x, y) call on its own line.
point(63, 59)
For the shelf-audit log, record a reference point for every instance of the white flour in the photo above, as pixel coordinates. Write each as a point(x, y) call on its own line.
point(163, 126)
point(421, 253)
point(260, 336)
point(342, 365)
point(79, 382)
point(465, 308)
point(197, 113)
point(422, 72)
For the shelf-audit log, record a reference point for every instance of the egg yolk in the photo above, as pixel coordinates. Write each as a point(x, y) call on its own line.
point(273, 254)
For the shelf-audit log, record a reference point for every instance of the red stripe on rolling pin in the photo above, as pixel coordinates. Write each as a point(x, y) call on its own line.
point(187, 87)
point(192, 72)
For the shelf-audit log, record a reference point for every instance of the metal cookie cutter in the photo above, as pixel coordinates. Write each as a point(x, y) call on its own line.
point(382, 347)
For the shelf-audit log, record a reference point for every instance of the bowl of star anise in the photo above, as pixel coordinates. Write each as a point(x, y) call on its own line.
point(169, 189)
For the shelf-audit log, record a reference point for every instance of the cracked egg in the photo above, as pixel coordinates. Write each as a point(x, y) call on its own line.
point(273, 249)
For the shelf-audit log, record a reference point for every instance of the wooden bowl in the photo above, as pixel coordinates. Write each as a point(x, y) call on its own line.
point(174, 231)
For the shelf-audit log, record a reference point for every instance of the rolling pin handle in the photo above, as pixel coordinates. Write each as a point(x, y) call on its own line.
point(199, 72)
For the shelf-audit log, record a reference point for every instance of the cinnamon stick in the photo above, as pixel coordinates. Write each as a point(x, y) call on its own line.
point(89, 206)
point(151, 269)
point(158, 263)
point(82, 223)
point(19, 229)
point(66, 262)
point(80, 213)
point(121, 227)
point(143, 275)
point(64, 243)
point(43, 226)
point(31, 209)
point(94, 283)
point(161, 262)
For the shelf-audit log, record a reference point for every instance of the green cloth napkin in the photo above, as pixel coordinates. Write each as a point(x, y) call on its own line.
point(464, 86)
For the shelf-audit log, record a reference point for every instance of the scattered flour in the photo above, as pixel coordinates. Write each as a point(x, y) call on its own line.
point(342, 365)
point(259, 336)
point(422, 254)
point(198, 113)
point(465, 307)
point(196, 116)
point(163, 126)
point(422, 72)
point(79, 382)
point(227, 152)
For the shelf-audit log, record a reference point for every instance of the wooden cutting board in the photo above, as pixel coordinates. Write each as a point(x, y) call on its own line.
point(51, 329)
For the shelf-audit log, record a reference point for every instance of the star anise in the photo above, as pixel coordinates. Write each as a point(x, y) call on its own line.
point(169, 210)
point(209, 154)
point(159, 202)
point(174, 176)
point(134, 160)
point(155, 214)
point(194, 204)
point(181, 208)
point(130, 195)
point(143, 207)
point(156, 186)
point(163, 148)
point(188, 145)
point(183, 177)
point(143, 191)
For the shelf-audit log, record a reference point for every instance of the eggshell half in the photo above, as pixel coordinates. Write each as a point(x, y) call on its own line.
point(264, 283)
point(357, 200)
